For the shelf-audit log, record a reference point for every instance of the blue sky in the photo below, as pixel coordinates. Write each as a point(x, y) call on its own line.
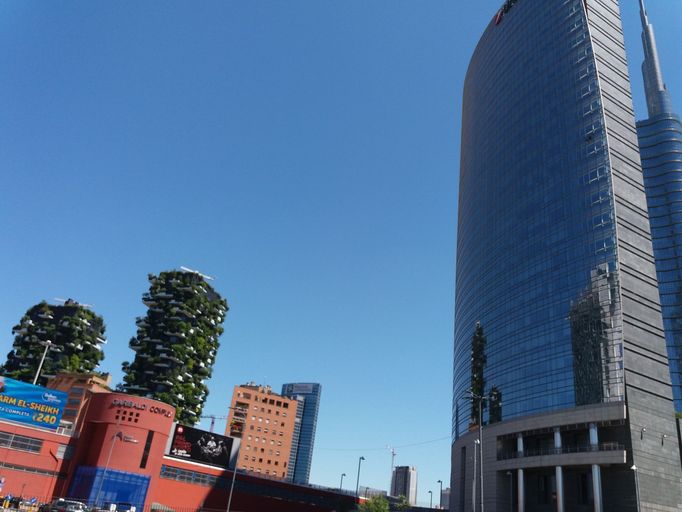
point(304, 153)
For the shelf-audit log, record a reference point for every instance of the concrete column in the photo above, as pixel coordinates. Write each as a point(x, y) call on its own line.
point(594, 435)
point(559, 474)
point(596, 487)
point(520, 492)
point(520, 486)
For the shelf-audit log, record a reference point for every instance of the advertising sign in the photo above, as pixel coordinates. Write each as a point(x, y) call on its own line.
point(201, 446)
point(33, 405)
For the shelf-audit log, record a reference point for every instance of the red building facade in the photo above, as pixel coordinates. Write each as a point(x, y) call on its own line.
point(120, 455)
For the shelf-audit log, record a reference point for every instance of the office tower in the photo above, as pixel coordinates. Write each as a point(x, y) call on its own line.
point(309, 398)
point(176, 342)
point(660, 143)
point(265, 423)
point(555, 262)
point(69, 337)
point(404, 483)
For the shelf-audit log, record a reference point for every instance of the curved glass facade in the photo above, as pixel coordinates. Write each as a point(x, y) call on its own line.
point(660, 140)
point(537, 263)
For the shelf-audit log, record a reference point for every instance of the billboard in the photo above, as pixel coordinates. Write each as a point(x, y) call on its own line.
point(201, 446)
point(32, 405)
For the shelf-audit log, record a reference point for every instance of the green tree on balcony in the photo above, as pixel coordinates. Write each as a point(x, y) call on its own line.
point(176, 342)
point(478, 362)
point(72, 333)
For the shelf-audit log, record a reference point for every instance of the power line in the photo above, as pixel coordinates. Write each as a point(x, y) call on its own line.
point(384, 448)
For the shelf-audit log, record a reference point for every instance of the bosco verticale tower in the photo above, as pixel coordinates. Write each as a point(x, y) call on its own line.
point(176, 342)
point(68, 335)
point(557, 314)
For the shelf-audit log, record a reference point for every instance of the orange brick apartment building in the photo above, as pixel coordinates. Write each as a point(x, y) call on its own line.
point(267, 424)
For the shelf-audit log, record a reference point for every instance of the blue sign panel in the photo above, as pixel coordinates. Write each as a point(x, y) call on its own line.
point(29, 404)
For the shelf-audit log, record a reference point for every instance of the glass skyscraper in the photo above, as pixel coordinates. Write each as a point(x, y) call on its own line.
point(660, 142)
point(308, 394)
point(555, 267)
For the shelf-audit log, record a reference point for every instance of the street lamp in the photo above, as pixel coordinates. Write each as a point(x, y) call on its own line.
point(357, 484)
point(49, 345)
point(473, 490)
point(479, 442)
point(634, 468)
point(430, 499)
point(341, 485)
point(124, 438)
point(440, 500)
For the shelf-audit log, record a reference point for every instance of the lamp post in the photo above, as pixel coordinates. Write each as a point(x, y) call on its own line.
point(473, 490)
point(634, 468)
point(341, 485)
point(123, 438)
point(430, 499)
point(236, 461)
point(357, 484)
point(440, 496)
point(49, 345)
point(479, 398)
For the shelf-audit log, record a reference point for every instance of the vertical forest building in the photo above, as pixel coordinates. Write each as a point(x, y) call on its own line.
point(176, 342)
point(70, 335)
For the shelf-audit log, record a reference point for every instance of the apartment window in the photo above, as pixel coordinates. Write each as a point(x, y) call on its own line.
point(17, 442)
point(64, 452)
point(77, 391)
point(286, 405)
point(269, 461)
point(267, 421)
point(284, 414)
point(278, 403)
point(260, 460)
point(258, 429)
point(276, 463)
point(250, 427)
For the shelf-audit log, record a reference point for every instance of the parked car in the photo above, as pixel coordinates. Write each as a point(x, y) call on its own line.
point(68, 506)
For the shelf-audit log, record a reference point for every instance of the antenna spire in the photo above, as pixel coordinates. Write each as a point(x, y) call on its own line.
point(657, 97)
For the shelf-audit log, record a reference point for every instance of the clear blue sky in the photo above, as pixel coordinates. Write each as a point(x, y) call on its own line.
point(305, 153)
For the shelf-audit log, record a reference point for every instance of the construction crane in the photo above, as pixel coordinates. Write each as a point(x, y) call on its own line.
point(213, 418)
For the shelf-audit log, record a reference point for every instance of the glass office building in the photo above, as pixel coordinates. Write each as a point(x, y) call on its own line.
point(307, 394)
point(660, 142)
point(554, 262)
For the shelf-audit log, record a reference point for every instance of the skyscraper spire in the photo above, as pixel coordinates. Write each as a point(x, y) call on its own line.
point(657, 97)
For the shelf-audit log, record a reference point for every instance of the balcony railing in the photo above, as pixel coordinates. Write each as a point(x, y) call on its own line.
point(540, 452)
